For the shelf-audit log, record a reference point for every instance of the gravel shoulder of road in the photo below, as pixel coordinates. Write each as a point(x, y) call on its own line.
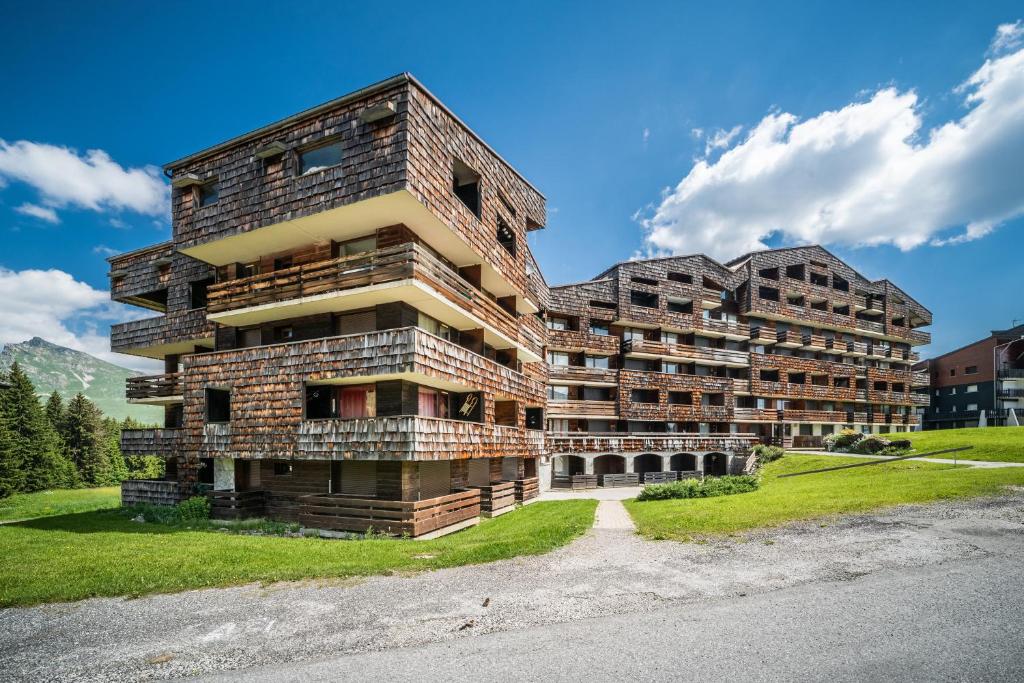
point(608, 571)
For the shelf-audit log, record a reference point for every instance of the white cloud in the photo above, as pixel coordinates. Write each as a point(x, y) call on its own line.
point(43, 213)
point(104, 250)
point(93, 180)
point(866, 174)
point(1008, 37)
point(646, 135)
point(721, 139)
point(47, 303)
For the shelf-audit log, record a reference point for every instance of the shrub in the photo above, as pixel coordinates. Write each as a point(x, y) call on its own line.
point(870, 444)
point(154, 514)
point(194, 509)
point(696, 488)
point(901, 444)
point(842, 441)
point(765, 453)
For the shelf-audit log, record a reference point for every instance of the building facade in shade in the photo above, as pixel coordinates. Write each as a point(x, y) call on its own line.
point(349, 319)
point(980, 384)
point(787, 344)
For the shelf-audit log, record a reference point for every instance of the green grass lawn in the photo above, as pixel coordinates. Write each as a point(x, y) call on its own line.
point(816, 495)
point(72, 557)
point(1003, 444)
point(58, 502)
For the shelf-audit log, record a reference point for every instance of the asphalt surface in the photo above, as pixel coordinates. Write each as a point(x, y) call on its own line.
point(923, 593)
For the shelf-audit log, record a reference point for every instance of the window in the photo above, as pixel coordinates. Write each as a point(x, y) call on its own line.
point(599, 328)
point(535, 418)
point(218, 405)
point(321, 402)
point(819, 305)
point(841, 310)
point(881, 386)
point(794, 299)
point(644, 281)
point(681, 277)
point(558, 393)
point(952, 372)
point(282, 468)
point(320, 158)
point(768, 293)
point(972, 406)
point(841, 382)
point(669, 337)
point(840, 284)
point(558, 323)
point(506, 238)
point(680, 306)
point(197, 292)
point(282, 262)
point(971, 388)
point(644, 299)
point(769, 273)
point(680, 398)
point(671, 368)
point(769, 375)
point(712, 399)
point(971, 370)
point(795, 272)
point(434, 327)
point(608, 305)
point(284, 333)
point(558, 358)
point(796, 378)
point(466, 185)
point(250, 337)
point(644, 395)
point(360, 245)
point(357, 401)
point(207, 193)
point(597, 362)
point(434, 403)
point(631, 333)
point(819, 279)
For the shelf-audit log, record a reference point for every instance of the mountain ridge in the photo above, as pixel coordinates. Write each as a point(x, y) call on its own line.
point(52, 367)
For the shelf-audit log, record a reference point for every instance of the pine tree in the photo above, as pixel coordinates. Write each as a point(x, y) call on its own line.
point(12, 476)
point(83, 439)
point(55, 410)
point(35, 446)
point(112, 449)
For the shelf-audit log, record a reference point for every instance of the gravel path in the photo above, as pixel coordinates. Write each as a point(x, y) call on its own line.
point(608, 571)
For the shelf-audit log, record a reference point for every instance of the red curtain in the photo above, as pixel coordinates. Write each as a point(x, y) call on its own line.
point(354, 402)
point(428, 403)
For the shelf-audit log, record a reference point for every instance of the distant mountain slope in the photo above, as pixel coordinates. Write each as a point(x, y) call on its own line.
point(50, 367)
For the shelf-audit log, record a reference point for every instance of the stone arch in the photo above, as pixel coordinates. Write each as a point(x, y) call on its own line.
point(683, 462)
point(716, 464)
point(568, 465)
point(610, 463)
point(647, 462)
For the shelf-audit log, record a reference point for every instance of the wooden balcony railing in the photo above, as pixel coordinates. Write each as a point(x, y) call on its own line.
point(756, 415)
point(340, 512)
point(789, 338)
point(575, 340)
point(637, 442)
point(393, 264)
point(173, 328)
point(581, 408)
point(162, 442)
point(153, 386)
point(869, 325)
point(919, 338)
point(737, 329)
point(762, 335)
point(920, 399)
point(827, 416)
point(813, 341)
point(151, 492)
point(1011, 373)
point(580, 374)
point(699, 353)
point(920, 378)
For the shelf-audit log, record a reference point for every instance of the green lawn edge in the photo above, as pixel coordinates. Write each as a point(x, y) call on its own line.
point(816, 496)
point(103, 554)
point(989, 444)
point(58, 502)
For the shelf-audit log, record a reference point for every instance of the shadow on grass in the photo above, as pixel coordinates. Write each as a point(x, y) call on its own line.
point(97, 521)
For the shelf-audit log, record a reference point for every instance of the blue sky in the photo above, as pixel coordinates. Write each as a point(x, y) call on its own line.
point(650, 128)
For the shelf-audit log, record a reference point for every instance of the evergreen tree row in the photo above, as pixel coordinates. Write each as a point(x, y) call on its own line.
point(58, 445)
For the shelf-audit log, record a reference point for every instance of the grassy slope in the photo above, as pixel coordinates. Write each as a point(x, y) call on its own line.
point(61, 502)
point(103, 554)
point(1004, 444)
point(817, 495)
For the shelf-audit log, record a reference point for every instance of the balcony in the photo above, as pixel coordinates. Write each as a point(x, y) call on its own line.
point(920, 399)
point(812, 342)
point(577, 374)
point(581, 408)
point(734, 330)
point(920, 378)
point(413, 437)
point(878, 351)
point(702, 354)
point(869, 326)
point(762, 335)
point(856, 349)
point(1009, 392)
point(638, 442)
point(837, 346)
point(154, 389)
point(919, 338)
point(789, 339)
point(163, 335)
point(576, 340)
point(755, 415)
point(160, 442)
point(825, 416)
point(1011, 373)
point(408, 272)
point(857, 418)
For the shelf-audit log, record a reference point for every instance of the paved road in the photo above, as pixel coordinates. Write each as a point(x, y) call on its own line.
point(919, 592)
point(941, 623)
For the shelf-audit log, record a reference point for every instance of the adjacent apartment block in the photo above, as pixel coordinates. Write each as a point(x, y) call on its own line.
point(981, 384)
point(355, 334)
point(348, 319)
point(787, 345)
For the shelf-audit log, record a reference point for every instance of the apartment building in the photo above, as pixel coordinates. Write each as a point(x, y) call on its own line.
point(678, 364)
point(980, 384)
point(349, 318)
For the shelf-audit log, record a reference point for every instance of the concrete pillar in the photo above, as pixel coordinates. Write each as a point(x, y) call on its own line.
point(666, 462)
point(630, 464)
point(588, 464)
point(544, 474)
point(700, 462)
